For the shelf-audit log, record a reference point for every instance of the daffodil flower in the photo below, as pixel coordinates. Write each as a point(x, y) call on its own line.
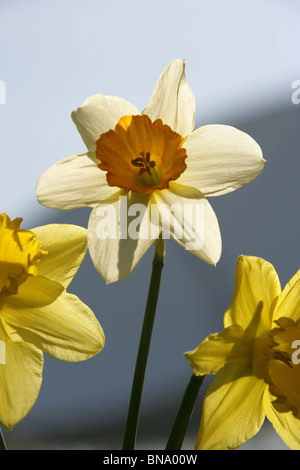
point(37, 315)
point(254, 359)
point(155, 160)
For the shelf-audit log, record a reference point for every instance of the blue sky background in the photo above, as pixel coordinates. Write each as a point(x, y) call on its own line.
point(241, 61)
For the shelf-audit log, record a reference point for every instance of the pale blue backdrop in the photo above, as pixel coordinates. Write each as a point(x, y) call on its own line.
point(241, 61)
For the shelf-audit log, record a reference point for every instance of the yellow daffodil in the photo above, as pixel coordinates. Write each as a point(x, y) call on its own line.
point(255, 359)
point(153, 159)
point(36, 313)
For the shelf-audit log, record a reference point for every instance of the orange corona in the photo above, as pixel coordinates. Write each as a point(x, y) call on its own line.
point(141, 155)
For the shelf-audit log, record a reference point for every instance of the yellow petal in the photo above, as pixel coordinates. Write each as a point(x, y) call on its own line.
point(172, 100)
point(37, 291)
point(218, 349)
point(285, 424)
point(232, 410)
point(289, 301)
point(66, 246)
point(255, 291)
point(20, 379)
point(63, 327)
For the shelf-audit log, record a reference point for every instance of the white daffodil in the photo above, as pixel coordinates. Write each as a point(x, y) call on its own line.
point(154, 164)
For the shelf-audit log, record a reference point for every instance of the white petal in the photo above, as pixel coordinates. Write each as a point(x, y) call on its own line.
point(190, 220)
point(73, 182)
point(173, 100)
point(220, 160)
point(119, 235)
point(99, 114)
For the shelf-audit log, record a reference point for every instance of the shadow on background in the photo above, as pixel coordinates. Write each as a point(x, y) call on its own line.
point(84, 405)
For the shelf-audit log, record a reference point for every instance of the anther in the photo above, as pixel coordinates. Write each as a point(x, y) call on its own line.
point(144, 163)
point(137, 162)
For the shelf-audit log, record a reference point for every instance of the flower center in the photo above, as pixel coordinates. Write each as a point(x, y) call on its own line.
point(19, 250)
point(144, 163)
point(261, 353)
point(276, 362)
point(284, 370)
point(141, 155)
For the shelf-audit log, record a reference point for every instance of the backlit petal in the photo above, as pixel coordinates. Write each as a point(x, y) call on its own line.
point(99, 114)
point(187, 216)
point(119, 234)
point(219, 349)
point(173, 100)
point(62, 326)
point(289, 301)
point(73, 182)
point(285, 424)
point(220, 160)
point(255, 291)
point(66, 246)
point(20, 378)
point(232, 410)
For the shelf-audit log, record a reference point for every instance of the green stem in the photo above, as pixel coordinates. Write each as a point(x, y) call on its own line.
point(184, 413)
point(141, 362)
point(2, 441)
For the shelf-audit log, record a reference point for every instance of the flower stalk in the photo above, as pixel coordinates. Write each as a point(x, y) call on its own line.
point(145, 339)
point(2, 441)
point(184, 413)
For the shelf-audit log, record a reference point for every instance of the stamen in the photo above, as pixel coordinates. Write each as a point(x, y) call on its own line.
point(283, 356)
point(144, 163)
point(137, 162)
